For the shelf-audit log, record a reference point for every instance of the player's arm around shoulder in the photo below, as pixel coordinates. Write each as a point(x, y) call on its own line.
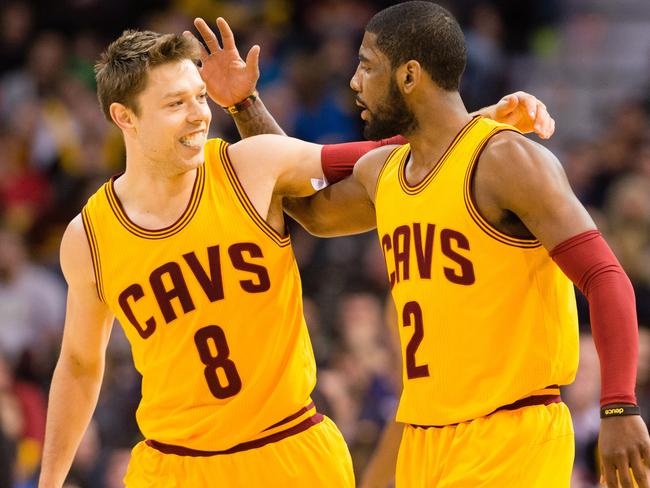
point(288, 163)
point(78, 374)
point(521, 176)
point(346, 207)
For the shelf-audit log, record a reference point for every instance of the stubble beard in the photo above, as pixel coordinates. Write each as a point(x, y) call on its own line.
point(392, 117)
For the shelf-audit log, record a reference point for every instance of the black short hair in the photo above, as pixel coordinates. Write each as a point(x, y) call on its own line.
point(425, 32)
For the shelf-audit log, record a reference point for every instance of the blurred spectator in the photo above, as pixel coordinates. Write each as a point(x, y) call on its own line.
point(32, 302)
point(582, 397)
point(320, 116)
point(643, 373)
point(359, 384)
point(25, 193)
point(484, 79)
point(116, 466)
point(16, 27)
point(11, 425)
point(86, 470)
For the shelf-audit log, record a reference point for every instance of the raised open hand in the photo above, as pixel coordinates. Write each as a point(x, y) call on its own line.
point(228, 77)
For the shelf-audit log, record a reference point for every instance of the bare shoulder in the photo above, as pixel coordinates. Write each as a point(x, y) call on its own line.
point(510, 153)
point(75, 257)
point(513, 164)
point(367, 169)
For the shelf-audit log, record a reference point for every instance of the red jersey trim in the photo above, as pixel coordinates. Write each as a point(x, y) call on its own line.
point(550, 394)
point(472, 208)
point(94, 252)
point(415, 189)
point(305, 424)
point(183, 220)
point(383, 169)
point(264, 226)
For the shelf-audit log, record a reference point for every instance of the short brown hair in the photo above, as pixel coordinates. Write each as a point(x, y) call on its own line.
point(122, 70)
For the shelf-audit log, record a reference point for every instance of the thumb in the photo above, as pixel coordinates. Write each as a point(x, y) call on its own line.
point(507, 104)
point(253, 61)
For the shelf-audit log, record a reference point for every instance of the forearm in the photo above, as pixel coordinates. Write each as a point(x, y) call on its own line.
point(302, 210)
point(321, 218)
point(256, 120)
point(64, 430)
point(381, 467)
point(338, 160)
point(590, 264)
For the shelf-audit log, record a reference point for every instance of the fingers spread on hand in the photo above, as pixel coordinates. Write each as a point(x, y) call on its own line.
point(203, 53)
point(530, 102)
point(639, 470)
point(624, 473)
point(551, 129)
point(227, 37)
point(189, 35)
point(608, 471)
point(208, 36)
point(544, 123)
point(253, 61)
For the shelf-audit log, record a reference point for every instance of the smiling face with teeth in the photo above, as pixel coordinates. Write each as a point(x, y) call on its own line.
point(172, 120)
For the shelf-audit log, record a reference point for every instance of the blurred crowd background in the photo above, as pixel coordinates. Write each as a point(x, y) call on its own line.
point(588, 60)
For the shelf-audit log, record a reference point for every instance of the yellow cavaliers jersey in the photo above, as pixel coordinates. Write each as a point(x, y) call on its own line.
point(485, 319)
point(212, 308)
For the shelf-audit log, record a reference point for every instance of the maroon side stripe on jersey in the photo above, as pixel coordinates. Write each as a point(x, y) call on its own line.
point(244, 446)
point(523, 402)
point(291, 417)
point(530, 401)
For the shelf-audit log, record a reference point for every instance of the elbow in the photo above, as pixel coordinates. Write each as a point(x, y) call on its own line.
point(79, 367)
point(301, 210)
point(314, 227)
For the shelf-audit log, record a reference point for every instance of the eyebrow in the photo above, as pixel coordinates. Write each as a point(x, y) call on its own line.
point(363, 58)
point(181, 92)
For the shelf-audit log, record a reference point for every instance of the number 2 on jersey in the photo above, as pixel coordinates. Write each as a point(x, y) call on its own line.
point(214, 362)
point(412, 315)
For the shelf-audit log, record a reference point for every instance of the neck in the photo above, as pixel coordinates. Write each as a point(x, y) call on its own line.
point(152, 187)
point(440, 117)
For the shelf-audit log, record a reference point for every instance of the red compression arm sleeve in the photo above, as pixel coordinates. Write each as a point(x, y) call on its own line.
point(589, 262)
point(338, 160)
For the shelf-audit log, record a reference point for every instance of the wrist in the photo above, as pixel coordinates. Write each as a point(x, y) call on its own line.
point(244, 104)
point(619, 410)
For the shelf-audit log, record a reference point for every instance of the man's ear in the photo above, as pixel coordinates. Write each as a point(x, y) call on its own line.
point(408, 76)
point(123, 116)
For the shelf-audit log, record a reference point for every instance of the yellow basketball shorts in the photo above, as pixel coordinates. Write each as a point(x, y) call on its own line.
point(531, 447)
point(316, 458)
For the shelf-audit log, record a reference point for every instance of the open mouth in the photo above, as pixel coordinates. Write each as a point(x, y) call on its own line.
point(194, 139)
